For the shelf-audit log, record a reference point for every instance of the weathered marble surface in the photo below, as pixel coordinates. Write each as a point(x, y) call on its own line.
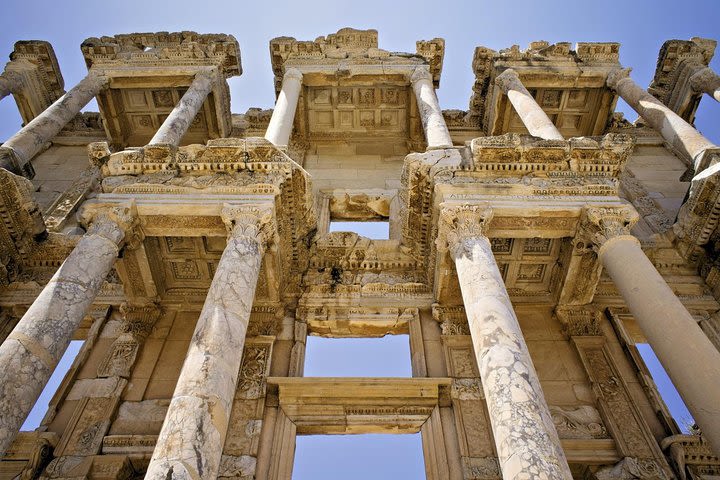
point(532, 115)
point(527, 442)
point(664, 320)
point(191, 440)
point(707, 81)
point(9, 83)
point(436, 131)
point(669, 124)
point(34, 347)
point(28, 142)
point(182, 116)
point(283, 116)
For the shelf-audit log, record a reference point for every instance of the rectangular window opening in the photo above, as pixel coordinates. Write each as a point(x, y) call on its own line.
point(41, 406)
point(375, 230)
point(668, 392)
point(358, 457)
point(388, 356)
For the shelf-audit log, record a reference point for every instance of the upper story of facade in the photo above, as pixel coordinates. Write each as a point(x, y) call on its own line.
point(357, 133)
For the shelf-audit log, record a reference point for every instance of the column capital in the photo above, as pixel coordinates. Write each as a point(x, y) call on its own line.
point(139, 319)
point(580, 321)
point(118, 223)
point(509, 80)
point(704, 80)
point(251, 221)
point(459, 223)
point(293, 74)
point(616, 76)
point(603, 224)
point(421, 73)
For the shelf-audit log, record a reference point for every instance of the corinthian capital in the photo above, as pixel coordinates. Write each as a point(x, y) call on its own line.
point(616, 76)
point(118, 223)
point(605, 223)
point(250, 221)
point(459, 223)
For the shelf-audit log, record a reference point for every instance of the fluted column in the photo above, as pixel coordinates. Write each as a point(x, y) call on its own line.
point(705, 80)
point(16, 153)
point(32, 350)
point(281, 123)
point(436, 131)
point(192, 436)
point(532, 115)
point(689, 358)
point(676, 131)
point(527, 442)
point(177, 123)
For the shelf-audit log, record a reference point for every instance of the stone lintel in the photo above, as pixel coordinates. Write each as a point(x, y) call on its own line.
point(350, 52)
point(513, 154)
point(359, 405)
point(164, 48)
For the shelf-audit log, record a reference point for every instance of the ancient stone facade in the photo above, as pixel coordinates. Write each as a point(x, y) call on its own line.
point(535, 239)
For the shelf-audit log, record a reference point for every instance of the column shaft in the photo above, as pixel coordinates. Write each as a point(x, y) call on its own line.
point(705, 80)
point(532, 115)
point(26, 143)
point(283, 116)
point(177, 123)
point(687, 354)
point(193, 434)
point(436, 131)
point(676, 131)
point(32, 350)
point(527, 442)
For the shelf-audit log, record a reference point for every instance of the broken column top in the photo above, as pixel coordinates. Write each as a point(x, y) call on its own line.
point(165, 48)
point(351, 47)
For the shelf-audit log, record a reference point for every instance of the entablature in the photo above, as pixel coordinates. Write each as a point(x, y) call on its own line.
point(568, 84)
point(149, 73)
point(677, 62)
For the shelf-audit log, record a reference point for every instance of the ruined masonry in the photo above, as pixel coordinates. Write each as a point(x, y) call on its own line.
point(535, 240)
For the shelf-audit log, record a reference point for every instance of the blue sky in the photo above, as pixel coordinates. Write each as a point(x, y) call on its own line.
point(640, 25)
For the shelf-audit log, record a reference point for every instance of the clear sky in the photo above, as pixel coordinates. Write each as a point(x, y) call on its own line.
point(640, 26)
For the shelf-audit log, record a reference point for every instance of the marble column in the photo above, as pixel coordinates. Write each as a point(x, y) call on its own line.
point(32, 350)
point(527, 442)
point(193, 434)
point(532, 115)
point(705, 80)
point(690, 359)
point(436, 131)
point(16, 153)
point(281, 123)
point(181, 117)
point(676, 131)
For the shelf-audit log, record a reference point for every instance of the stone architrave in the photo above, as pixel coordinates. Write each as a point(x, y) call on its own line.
point(676, 131)
point(181, 117)
point(33, 349)
point(671, 330)
point(532, 115)
point(281, 123)
point(527, 443)
point(436, 131)
point(191, 440)
point(19, 150)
